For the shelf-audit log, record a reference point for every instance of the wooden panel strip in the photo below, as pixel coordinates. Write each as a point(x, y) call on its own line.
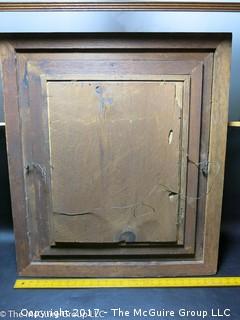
point(217, 151)
point(110, 5)
point(15, 161)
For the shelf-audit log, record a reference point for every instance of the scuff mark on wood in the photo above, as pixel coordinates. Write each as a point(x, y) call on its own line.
point(73, 214)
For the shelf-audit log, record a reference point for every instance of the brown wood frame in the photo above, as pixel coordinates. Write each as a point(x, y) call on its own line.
point(206, 263)
point(189, 245)
point(111, 5)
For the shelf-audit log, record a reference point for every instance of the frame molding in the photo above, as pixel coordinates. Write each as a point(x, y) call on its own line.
point(204, 263)
point(124, 5)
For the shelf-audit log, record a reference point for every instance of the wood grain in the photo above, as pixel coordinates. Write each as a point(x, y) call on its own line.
point(14, 149)
point(52, 66)
point(119, 5)
point(217, 151)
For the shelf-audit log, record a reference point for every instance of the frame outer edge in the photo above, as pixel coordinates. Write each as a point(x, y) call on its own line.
point(217, 153)
point(14, 151)
point(218, 134)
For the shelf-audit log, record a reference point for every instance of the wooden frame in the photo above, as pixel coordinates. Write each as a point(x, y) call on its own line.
point(205, 262)
point(110, 5)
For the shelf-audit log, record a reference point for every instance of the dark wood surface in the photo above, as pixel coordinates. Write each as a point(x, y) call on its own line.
point(42, 118)
point(109, 5)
